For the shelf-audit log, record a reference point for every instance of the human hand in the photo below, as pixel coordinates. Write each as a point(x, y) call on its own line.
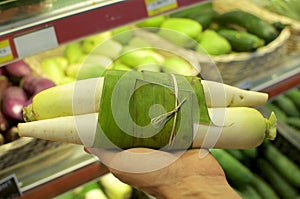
point(193, 173)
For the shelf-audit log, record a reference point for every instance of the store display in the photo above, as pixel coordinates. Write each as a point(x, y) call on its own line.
point(234, 41)
point(239, 54)
point(91, 56)
point(287, 107)
point(258, 8)
point(18, 86)
point(267, 174)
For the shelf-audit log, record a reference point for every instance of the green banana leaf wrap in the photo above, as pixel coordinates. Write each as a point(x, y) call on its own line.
point(149, 109)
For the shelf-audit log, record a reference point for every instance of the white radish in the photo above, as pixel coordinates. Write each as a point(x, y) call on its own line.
point(237, 127)
point(83, 97)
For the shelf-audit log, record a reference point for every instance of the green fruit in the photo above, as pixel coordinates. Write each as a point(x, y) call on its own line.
point(180, 31)
point(241, 41)
point(212, 43)
point(66, 80)
point(149, 64)
point(203, 13)
point(90, 43)
point(52, 70)
point(137, 42)
point(177, 65)
point(114, 188)
point(120, 66)
point(122, 34)
point(109, 48)
point(62, 61)
point(73, 70)
point(152, 22)
point(252, 23)
point(136, 58)
point(99, 60)
point(73, 52)
point(90, 71)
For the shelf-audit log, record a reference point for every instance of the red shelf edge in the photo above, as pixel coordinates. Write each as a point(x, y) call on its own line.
point(67, 182)
point(282, 86)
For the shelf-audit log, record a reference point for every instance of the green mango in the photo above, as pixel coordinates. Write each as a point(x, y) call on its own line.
point(137, 42)
point(152, 22)
point(66, 80)
point(122, 34)
point(180, 31)
point(73, 52)
point(90, 43)
point(139, 57)
point(90, 71)
point(118, 65)
point(109, 48)
point(52, 70)
point(114, 188)
point(62, 61)
point(177, 65)
point(212, 43)
point(203, 13)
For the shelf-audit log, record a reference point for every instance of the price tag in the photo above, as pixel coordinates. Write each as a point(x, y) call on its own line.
point(9, 187)
point(36, 41)
point(5, 51)
point(155, 7)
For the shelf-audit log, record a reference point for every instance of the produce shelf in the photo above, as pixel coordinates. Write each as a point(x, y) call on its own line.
point(79, 167)
point(71, 20)
point(47, 176)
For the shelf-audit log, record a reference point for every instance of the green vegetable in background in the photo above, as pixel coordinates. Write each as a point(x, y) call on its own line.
point(287, 105)
point(251, 23)
point(241, 41)
point(283, 164)
point(212, 43)
point(114, 188)
point(180, 31)
point(281, 186)
point(203, 13)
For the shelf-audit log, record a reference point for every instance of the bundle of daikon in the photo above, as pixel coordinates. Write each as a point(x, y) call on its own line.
point(125, 109)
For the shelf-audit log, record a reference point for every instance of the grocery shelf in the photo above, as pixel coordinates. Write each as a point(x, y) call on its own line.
point(71, 20)
point(47, 175)
point(53, 177)
point(79, 167)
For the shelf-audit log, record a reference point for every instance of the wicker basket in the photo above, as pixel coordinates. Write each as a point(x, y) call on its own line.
point(293, 43)
point(237, 67)
point(232, 68)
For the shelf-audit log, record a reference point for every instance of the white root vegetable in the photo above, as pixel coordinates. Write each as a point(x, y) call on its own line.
point(236, 127)
point(223, 95)
point(80, 97)
point(83, 97)
point(69, 129)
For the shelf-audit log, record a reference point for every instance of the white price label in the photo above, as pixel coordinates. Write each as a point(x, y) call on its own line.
point(36, 42)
